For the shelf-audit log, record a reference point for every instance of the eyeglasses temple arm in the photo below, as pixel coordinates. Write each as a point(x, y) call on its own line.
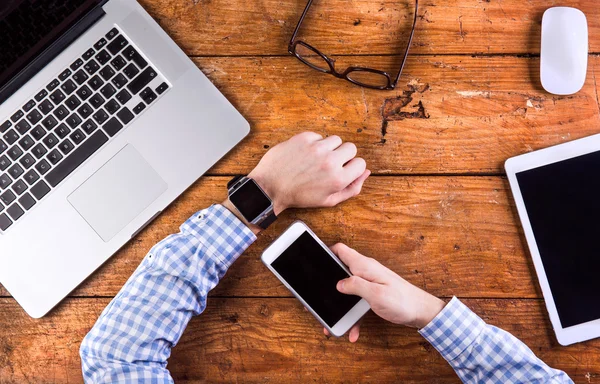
point(412, 32)
point(300, 22)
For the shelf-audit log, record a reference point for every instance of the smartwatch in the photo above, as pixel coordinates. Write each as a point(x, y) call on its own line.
point(251, 201)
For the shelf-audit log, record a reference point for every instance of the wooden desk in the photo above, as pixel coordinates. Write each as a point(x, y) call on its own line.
point(437, 209)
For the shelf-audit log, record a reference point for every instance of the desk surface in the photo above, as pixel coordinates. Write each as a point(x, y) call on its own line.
point(437, 209)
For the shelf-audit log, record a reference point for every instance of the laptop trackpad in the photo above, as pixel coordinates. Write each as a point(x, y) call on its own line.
point(119, 191)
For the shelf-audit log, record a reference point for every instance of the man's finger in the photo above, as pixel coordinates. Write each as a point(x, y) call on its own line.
point(331, 142)
point(362, 266)
point(308, 136)
point(345, 152)
point(353, 189)
point(355, 285)
point(354, 333)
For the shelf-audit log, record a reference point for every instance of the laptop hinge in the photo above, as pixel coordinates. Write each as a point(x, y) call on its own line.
point(52, 51)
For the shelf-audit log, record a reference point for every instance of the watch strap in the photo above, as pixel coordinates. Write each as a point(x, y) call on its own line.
point(268, 221)
point(233, 181)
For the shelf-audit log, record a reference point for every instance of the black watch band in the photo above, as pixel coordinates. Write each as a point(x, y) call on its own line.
point(268, 221)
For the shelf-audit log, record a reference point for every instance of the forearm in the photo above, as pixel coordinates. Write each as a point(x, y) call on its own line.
point(479, 352)
point(133, 337)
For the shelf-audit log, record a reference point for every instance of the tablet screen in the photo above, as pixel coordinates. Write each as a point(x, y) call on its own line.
point(313, 274)
point(563, 204)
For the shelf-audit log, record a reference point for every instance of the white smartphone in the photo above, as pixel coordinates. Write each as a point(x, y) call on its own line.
point(307, 267)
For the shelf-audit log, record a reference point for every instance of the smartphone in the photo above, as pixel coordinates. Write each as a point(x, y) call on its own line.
point(307, 267)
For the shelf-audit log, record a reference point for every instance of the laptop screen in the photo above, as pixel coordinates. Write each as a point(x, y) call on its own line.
point(28, 27)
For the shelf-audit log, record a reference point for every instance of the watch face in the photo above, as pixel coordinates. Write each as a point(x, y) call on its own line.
point(250, 200)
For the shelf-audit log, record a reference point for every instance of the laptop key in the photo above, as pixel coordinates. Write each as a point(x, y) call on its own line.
point(125, 115)
point(100, 116)
point(73, 121)
point(80, 77)
point(107, 72)
point(52, 85)
point(117, 44)
point(15, 152)
point(46, 106)
point(5, 181)
point(11, 137)
point(7, 197)
point(57, 97)
point(16, 116)
point(77, 137)
point(85, 111)
point(19, 187)
point(30, 104)
point(15, 171)
point(54, 157)
point(123, 96)
point(162, 88)
point(4, 162)
point(3, 146)
point(148, 95)
point(100, 43)
point(112, 126)
point(73, 102)
point(130, 71)
point(15, 211)
point(95, 82)
point(118, 62)
point(76, 64)
point(5, 222)
point(84, 92)
point(97, 100)
point(31, 177)
point(40, 190)
point(50, 140)
point(89, 126)
point(103, 57)
point(91, 67)
point(34, 116)
point(62, 131)
point(131, 54)
point(66, 147)
point(27, 201)
point(27, 161)
point(38, 132)
point(23, 126)
point(76, 158)
point(65, 74)
point(39, 151)
point(4, 127)
point(111, 106)
point(49, 122)
point(61, 112)
point(41, 94)
point(112, 33)
point(88, 54)
point(26, 142)
point(137, 84)
point(107, 91)
point(119, 81)
point(42, 167)
point(68, 86)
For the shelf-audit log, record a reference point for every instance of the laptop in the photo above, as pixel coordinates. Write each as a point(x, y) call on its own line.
point(104, 121)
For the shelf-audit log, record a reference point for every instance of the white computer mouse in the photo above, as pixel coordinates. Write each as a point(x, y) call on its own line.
point(564, 52)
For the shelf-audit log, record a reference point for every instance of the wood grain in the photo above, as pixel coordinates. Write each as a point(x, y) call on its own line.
point(451, 114)
point(264, 27)
point(274, 340)
point(449, 235)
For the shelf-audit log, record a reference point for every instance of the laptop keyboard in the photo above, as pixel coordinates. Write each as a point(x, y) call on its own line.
point(67, 121)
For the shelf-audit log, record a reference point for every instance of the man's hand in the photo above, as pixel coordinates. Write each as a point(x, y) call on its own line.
point(390, 296)
point(308, 171)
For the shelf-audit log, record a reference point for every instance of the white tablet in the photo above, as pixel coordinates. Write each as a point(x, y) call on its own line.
point(557, 193)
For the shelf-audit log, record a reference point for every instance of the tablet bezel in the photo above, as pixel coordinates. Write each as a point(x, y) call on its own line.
point(514, 165)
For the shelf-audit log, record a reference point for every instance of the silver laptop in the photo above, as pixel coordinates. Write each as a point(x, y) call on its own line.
point(104, 121)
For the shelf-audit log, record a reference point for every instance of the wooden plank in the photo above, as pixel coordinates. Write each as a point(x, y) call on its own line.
point(450, 114)
point(274, 340)
point(239, 27)
point(449, 235)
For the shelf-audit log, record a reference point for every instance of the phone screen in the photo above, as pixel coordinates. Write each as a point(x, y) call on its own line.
point(314, 274)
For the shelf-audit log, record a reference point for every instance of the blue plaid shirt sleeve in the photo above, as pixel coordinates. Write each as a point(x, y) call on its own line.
point(133, 337)
point(481, 353)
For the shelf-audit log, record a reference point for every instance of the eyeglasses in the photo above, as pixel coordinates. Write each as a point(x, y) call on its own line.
point(363, 76)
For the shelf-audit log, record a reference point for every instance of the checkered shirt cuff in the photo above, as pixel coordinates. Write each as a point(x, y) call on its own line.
point(223, 235)
point(453, 330)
